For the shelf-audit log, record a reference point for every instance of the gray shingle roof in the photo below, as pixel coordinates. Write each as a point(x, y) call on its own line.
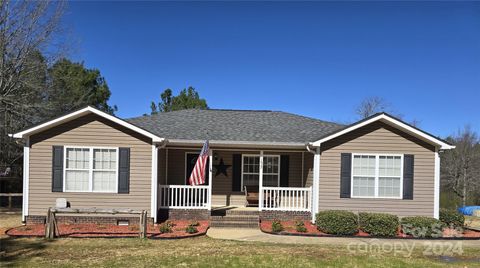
point(235, 125)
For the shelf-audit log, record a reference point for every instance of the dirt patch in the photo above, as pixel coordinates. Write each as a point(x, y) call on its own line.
point(96, 230)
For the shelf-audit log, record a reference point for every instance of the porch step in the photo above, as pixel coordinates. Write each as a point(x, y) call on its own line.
point(234, 224)
point(239, 218)
point(234, 218)
point(234, 212)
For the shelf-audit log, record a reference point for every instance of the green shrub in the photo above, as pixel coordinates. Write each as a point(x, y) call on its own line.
point(452, 218)
point(170, 223)
point(378, 224)
point(300, 227)
point(191, 229)
point(277, 226)
point(165, 228)
point(422, 226)
point(337, 222)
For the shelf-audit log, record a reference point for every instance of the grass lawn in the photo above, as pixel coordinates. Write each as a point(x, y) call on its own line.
point(473, 222)
point(203, 252)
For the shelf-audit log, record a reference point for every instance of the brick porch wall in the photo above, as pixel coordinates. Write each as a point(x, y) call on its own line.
point(111, 220)
point(183, 214)
point(285, 215)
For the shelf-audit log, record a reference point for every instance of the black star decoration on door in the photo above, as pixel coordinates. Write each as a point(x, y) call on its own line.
point(221, 168)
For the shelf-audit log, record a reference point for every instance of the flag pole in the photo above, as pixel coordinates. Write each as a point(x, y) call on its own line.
point(210, 177)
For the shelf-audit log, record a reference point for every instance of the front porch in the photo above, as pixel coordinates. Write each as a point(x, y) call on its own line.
point(280, 180)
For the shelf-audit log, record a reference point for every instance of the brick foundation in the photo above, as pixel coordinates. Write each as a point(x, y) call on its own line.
point(183, 214)
point(111, 220)
point(285, 215)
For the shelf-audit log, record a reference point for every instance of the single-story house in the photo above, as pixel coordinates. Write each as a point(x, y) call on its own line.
point(296, 165)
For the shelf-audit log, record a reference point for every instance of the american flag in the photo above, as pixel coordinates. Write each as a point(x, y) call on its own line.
point(198, 173)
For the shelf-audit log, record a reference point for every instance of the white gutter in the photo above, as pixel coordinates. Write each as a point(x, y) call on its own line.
point(238, 144)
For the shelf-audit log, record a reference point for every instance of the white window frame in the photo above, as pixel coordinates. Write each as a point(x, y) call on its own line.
point(377, 177)
point(90, 168)
point(250, 173)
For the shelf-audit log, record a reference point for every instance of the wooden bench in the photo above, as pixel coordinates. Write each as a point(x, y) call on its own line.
point(251, 195)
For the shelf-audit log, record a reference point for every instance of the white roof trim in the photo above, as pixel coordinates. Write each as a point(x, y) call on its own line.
point(393, 122)
point(80, 113)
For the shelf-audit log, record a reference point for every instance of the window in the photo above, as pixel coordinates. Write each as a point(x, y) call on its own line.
point(89, 169)
point(377, 176)
point(251, 170)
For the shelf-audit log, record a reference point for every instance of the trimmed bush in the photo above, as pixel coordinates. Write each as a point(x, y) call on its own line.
point(277, 226)
point(422, 226)
point(452, 218)
point(379, 224)
point(194, 223)
point(191, 229)
point(337, 222)
point(300, 227)
point(165, 228)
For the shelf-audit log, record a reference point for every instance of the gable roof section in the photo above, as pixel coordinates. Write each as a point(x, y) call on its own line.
point(392, 121)
point(79, 113)
point(220, 126)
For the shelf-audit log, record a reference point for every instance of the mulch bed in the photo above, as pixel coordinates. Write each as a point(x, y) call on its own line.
point(289, 229)
point(98, 230)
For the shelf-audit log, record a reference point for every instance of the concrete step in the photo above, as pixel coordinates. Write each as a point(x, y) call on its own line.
point(234, 212)
point(242, 218)
point(234, 224)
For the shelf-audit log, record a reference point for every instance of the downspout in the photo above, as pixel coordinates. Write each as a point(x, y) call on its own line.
point(316, 178)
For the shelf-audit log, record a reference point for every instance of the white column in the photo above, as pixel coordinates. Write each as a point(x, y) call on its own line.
point(26, 177)
point(316, 183)
point(210, 179)
point(436, 186)
point(154, 188)
point(260, 183)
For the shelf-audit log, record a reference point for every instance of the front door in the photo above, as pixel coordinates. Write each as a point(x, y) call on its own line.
point(191, 160)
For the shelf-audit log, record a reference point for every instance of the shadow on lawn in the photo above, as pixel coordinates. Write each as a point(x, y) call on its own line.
point(12, 249)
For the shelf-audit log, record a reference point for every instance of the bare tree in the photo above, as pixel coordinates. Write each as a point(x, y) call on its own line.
point(371, 106)
point(27, 32)
point(461, 166)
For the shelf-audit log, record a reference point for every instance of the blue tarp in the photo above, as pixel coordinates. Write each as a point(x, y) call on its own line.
point(468, 210)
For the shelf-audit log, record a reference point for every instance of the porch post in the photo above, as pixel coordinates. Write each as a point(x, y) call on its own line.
point(154, 196)
point(436, 186)
point(210, 178)
point(26, 179)
point(260, 182)
point(316, 183)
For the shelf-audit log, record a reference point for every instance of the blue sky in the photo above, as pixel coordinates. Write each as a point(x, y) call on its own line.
point(317, 59)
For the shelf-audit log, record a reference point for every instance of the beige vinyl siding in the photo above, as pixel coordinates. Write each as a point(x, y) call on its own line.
point(378, 138)
point(308, 168)
point(162, 154)
point(222, 193)
point(89, 130)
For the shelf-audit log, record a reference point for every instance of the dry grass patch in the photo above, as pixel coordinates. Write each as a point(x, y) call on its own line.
point(8, 221)
point(199, 252)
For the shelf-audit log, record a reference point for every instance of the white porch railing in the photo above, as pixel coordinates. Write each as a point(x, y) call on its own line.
point(184, 196)
point(286, 198)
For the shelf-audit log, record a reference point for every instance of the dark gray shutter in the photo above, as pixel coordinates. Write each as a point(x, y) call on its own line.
point(345, 175)
point(237, 173)
point(284, 166)
point(57, 169)
point(124, 170)
point(408, 164)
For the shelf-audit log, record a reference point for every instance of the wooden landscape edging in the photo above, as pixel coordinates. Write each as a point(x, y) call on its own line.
point(51, 226)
